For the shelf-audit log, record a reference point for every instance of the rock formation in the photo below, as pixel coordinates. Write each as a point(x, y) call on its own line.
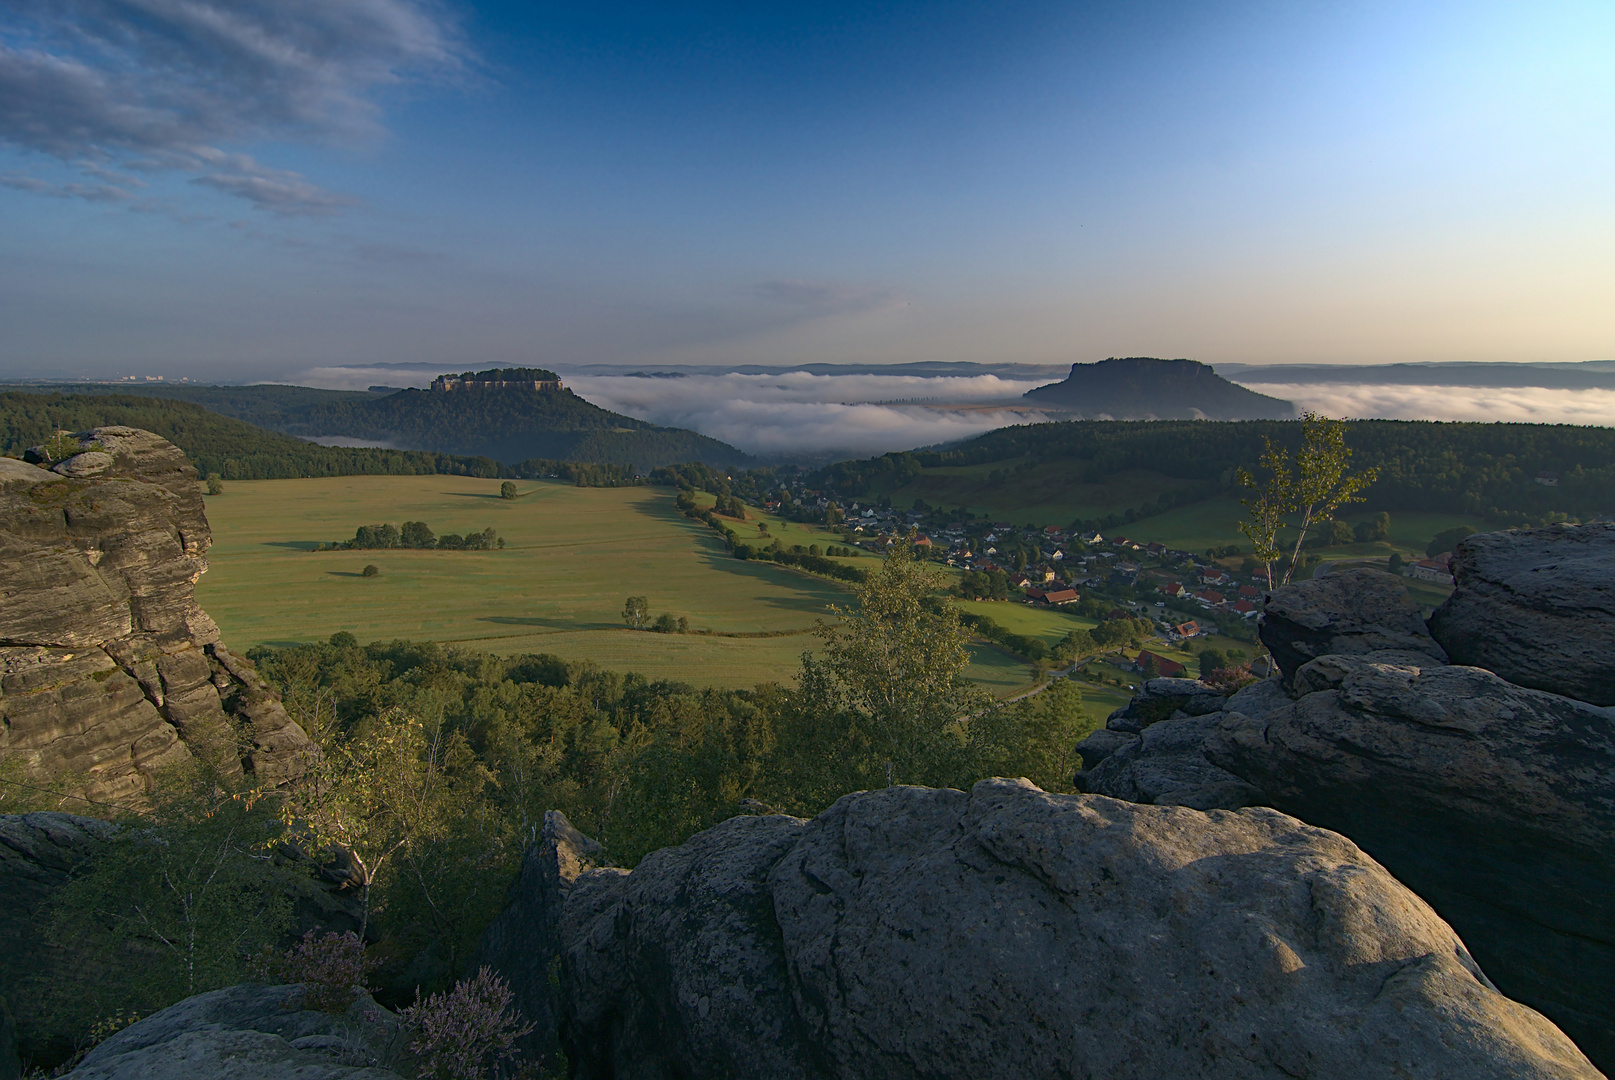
point(1493, 801)
point(1007, 932)
point(1536, 606)
point(250, 1032)
point(108, 668)
point(523, 943)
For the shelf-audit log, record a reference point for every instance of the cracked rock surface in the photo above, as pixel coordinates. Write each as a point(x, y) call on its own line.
point(1008, 932)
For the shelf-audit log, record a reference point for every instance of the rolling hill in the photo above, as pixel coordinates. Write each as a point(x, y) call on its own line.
point(510, 426)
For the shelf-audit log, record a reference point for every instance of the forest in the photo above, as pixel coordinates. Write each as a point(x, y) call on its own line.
point(506, 425)
point(438, 764)
point(1487, 470)
point(234, 449)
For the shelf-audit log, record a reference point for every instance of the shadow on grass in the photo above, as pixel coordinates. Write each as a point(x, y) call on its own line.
point(347, 573)
point(294, 545)
point(550, 623)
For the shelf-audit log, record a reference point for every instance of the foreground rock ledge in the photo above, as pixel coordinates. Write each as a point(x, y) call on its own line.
point(1009, 932)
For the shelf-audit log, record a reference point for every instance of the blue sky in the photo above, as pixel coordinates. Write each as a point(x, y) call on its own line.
point(244, 189)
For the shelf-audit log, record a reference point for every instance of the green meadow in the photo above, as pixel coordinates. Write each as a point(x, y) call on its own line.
point(571, 556)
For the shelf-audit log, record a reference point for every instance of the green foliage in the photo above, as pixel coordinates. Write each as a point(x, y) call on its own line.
point(897, 663)
point(635, 612)
point(213, 443)
point(215, 484)
point(1481, 469)
point(1211, 660)
point(1447, 539)
point(984, 585)
point(417, 534)
point(1303, 496)
point(507, 490)
point(1375, 528)
point(499, 426)
point(177, 902)
point(1395, 563)
point(370, 570)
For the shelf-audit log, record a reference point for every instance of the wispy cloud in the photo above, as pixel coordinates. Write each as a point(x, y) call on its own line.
point(1535, 405)
point(113, 87)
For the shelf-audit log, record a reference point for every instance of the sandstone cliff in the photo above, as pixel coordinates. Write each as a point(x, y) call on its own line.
point(108, 668)
point(1490, 793)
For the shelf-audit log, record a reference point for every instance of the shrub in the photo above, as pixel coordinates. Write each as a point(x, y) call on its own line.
point(507, 490)
point(1228, 679)
point(331, 968)
point(215, 484)
point(371, 570)
point(466, 1031)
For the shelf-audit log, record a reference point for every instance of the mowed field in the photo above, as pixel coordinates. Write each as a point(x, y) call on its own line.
point(572, 556)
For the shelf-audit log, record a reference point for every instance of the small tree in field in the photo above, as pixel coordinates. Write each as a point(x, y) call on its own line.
point(507, 490)
point(215, 484)
point(636, 612)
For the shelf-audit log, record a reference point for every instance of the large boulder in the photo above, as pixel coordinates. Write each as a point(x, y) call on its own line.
point(1351, 612)
point(1163, 698)
point(1494, 802)
point(1536, 606)
point(1008, 932)
point(250, 1032)
point(1167, 766)
point(109, 670)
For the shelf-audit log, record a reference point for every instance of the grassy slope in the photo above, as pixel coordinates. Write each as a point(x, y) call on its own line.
point(572, 555)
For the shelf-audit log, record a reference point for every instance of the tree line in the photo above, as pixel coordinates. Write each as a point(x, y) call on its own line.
point(415, 535)
point(1488, 470)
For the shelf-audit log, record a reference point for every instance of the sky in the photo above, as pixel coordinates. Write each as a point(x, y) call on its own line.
point(238, 190)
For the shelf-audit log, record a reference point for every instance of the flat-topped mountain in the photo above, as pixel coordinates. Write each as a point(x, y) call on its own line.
point(1147, 388)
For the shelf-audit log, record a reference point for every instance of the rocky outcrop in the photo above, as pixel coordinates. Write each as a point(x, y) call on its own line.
point(1493, 801)
point(108, 668)
point(1536, 606)
point(250, 1032)
point(1343, 614)
point(1008, 932)
point(523, 943)
point(1152, 750)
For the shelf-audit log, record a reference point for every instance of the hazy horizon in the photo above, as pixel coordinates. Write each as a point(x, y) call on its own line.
point(234, 190)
